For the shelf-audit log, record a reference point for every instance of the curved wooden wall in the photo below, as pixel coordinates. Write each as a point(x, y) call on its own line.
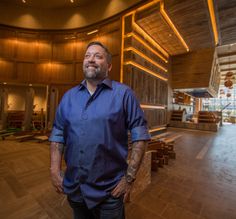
point(53, 58)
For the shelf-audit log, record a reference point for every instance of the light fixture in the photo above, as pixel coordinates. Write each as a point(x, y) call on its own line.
point(228, 83)
point(72, 1)
point(171, 24)
point(157, 129)
point(145, 70)
point(144, 106)
point(213, 20)
point(136, 37)
point(4, 82)
point(145, 57)
point(92, 32)
point(24, 1)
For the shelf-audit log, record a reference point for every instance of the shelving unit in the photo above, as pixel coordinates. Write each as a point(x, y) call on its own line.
point(177, 115)
point(206, 117)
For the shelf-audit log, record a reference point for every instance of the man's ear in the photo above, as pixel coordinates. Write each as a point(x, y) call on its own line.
point(109, 67)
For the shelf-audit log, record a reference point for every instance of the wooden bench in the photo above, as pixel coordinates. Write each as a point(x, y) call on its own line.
point(24, 137)
point(4, 135)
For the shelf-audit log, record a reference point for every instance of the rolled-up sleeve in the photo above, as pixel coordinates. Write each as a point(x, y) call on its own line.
point(57, 134)
point(135, 118)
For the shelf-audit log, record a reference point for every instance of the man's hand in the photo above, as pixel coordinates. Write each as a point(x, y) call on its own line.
point(57, 179)
point(122, 188)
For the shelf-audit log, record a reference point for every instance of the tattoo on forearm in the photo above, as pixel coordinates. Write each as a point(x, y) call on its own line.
point(137, 153)
point(57, 146)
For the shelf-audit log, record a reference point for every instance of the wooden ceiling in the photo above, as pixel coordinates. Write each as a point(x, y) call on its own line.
point(192, 20)
point(49, 4)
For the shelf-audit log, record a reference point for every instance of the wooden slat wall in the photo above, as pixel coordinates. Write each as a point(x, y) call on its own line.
point(151, 91)
point(50, 57)
point(192, 70)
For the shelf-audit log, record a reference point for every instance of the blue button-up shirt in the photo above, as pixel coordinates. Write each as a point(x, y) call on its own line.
point(94, 129)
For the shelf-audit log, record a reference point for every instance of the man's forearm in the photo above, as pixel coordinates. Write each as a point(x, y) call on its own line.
point(137, 153)
point(56, 151)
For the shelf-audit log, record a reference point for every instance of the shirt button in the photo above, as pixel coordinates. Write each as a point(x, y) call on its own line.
point(84, 116)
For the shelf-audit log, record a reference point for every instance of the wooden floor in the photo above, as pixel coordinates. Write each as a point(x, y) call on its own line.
point(199, 184)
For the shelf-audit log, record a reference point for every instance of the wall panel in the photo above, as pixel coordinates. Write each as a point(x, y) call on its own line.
point(52, 56)
point(26, 49)
point(64, 51)
point(6, 70)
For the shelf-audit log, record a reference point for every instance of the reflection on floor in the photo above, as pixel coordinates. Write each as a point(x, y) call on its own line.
point(199, 184)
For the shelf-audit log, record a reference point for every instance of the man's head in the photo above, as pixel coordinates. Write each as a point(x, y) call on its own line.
point(97, 61)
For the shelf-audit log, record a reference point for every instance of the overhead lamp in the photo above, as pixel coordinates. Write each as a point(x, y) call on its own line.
point(72, 1)
point(24, 1)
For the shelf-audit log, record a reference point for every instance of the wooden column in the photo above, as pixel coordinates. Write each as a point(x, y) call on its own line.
point(53, 102)
point(3, 108)
point(28, 109)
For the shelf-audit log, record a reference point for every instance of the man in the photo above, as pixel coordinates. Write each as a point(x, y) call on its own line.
point(90, 127)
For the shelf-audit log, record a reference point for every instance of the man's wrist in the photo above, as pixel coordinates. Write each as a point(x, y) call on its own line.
point(129, 178)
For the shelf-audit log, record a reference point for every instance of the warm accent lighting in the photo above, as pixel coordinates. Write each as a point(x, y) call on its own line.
point(145, 57)
point(30, 85)
point(24, 1)
point(122, 49)
point(145, 69)
point(4, 82)
point(92, 32)
point(157, 129)
point(148, 37)
point(168, 20)
point(152, 107)
point(213, 20)
point(72, 1)
point(147, 46)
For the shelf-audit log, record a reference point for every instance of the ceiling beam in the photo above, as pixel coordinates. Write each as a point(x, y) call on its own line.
point(225, 55)
point(228, 69)
point(227, 63)
point(223, 75)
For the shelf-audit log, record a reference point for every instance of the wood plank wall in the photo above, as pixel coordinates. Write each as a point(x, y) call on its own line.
point(146, 73)
point(53, 58)
point(192, 70)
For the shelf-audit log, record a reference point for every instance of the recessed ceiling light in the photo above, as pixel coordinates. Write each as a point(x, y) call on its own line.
point(72, 1)
point(24, 1)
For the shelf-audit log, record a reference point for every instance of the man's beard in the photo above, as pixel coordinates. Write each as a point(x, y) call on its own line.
point(95, 73)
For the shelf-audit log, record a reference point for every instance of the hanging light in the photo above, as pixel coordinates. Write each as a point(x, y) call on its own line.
point(229, 74)
point(222, 91)
point(228, 83)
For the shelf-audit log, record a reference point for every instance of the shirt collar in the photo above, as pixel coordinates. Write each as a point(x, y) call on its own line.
point(106, 82)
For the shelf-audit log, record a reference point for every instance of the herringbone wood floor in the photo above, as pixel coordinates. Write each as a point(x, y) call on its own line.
point(199, 184)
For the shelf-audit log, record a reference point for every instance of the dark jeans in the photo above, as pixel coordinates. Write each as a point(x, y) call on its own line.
point(111, 208)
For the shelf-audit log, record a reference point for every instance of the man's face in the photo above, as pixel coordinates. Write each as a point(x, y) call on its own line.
point(95, 65)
